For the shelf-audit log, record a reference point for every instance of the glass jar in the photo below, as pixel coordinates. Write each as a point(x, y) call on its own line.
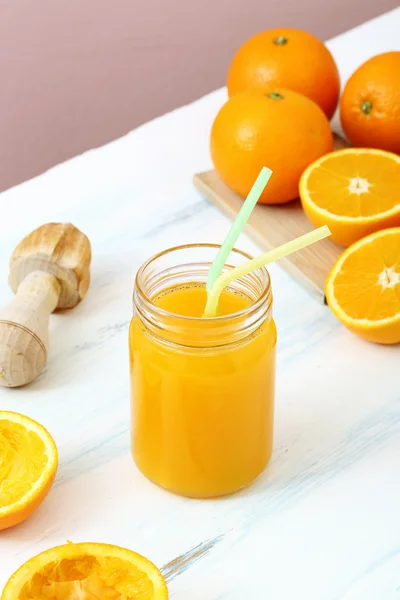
point(202, 390)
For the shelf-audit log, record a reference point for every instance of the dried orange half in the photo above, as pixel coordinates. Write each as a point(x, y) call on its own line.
point(87, 572)
point(363, 288)
point(355, 191)
point(28, 464)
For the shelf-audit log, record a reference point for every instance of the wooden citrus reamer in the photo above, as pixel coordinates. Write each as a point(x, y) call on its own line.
point(49, 270)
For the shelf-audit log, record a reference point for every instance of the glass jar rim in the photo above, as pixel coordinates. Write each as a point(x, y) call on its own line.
point(243, 313)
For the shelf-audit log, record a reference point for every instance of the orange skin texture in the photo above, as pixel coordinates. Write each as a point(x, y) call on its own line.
point(288, 58)
point(253, 130)
point(45, 562)
point(377, 82)
point(345, 230)
point(379, 332)
point(388, 334)
point(345, 236)
point(27, 510)
point(15, 514)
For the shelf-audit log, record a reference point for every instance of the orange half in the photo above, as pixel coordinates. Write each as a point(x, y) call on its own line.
point(355, 191)
point(363, 288)
point(87, 572)
point(28, 465)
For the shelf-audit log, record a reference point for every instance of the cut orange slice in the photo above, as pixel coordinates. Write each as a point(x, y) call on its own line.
point(355, 191)
point(363, 288)
point(87, 572)
point(28, 464)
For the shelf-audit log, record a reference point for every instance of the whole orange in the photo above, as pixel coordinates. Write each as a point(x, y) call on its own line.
point(281, 129)
point(288, 58)
point(370, 104)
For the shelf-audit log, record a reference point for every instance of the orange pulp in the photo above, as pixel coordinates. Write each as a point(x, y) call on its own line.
point(202, 416)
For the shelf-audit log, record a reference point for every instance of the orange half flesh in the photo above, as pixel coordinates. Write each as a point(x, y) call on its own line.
point(363, 288)
point(28, 464)
point(87, 572)
point(355, 191)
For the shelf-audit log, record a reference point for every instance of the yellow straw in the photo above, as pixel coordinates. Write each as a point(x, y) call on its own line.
point(258, 262)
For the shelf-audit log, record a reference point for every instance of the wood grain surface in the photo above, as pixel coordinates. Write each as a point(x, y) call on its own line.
point(49, 270)
point(270, 226)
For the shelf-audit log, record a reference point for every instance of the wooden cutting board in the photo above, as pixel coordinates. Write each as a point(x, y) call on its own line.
point(270, 226)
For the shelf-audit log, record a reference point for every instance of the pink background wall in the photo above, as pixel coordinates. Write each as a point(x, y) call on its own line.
point(78, 73)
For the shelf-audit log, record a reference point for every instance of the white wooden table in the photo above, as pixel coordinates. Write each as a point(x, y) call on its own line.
point(323, 523)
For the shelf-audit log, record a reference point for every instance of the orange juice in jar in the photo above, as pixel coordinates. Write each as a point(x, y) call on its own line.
point(202, 390)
